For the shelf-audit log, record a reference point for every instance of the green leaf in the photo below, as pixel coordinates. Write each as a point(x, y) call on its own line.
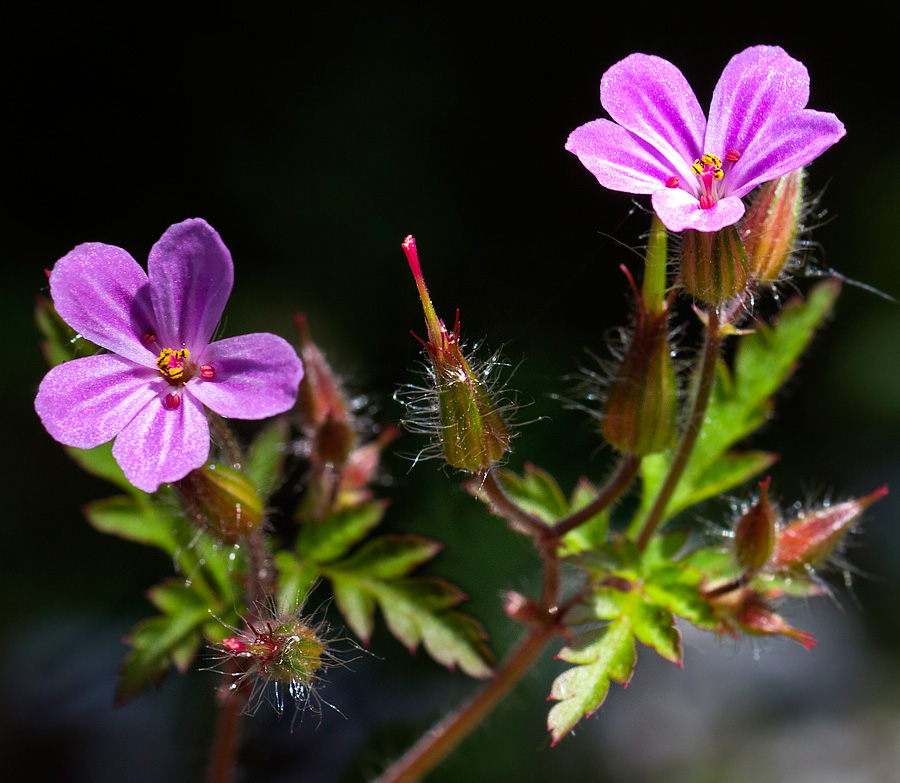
point(99, 462)
point(591, 534)
point(602, 656)
point(390, 557)
point(330, 538)
point(170, 639)
point(132, 519)
point(740, 403)
point(296, 578)
point(535, 492)
point(357, 605)
point(420, 610)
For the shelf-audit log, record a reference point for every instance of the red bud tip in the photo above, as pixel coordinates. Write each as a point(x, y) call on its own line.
point(412, 256)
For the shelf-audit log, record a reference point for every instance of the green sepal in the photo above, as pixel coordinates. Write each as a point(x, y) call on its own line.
point(330, 538)
point(170, 639)
point(602, 655)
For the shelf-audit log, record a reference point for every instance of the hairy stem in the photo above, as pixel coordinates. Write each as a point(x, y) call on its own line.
point(228, 732)
point(692, 432)
point(503, 506)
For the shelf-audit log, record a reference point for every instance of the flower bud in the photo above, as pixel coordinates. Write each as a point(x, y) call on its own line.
point(770, 226)
point(713, 265)
point(754, 536)
point(473, 434)
point(222, 500)
point(640, 412)
point(807, 541)
point(284, 650)
point(754, 616)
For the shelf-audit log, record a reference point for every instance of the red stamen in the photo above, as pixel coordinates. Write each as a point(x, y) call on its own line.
point(673, 182)
point(706, 201)
point(148, 337)
point(173, 401)
point(207, 371)
point(732, 156)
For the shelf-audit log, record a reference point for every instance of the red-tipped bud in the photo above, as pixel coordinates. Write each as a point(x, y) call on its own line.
point(808, 540)
point(754, 536)
point(321, 396)
point(756, 617)
point(285, 650)
point(713, 265)
point(771, 224)
point(744, 609)
point(221, 500)
point(473, 434)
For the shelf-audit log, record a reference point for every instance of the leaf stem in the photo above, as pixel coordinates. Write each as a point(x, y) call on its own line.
point(505, 507)
point(695, 425)
point(228, 731)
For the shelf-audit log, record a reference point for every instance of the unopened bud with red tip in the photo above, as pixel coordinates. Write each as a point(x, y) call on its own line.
point(807, 541)
point(473, 434)
point(221, 500)
point(639, 416)
point(756, 617)
point(285, 650)
point(770, 226)
point(713, 265)
point(754, 536)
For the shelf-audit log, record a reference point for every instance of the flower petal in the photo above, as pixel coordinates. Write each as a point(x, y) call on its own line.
point(102, 293)
point(622, 161)
point(788, 144)
point(256, 376)
point(679, 210)
point(161, 445)
point(758, 86)
point(650, 97)
point(88, 401)
point(191, 275)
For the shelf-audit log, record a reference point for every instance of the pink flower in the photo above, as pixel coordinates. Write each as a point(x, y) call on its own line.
point(149, 392)
point(697, 171)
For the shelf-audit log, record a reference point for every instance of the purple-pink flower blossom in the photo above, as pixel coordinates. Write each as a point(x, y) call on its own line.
point(697, 170)
point(149, 392)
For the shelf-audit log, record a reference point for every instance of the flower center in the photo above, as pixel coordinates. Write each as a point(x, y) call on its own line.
point(708, 169)
point(175, 366)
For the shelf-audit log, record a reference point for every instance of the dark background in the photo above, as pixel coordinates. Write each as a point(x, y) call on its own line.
point(314, 141)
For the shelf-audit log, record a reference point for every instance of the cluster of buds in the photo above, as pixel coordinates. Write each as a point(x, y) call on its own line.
point(470, 427)
point(283, 651)
point(342, 466)
point(718, 266)
point(770, 548)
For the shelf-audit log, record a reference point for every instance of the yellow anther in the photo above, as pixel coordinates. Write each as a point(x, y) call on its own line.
point(171, 363)
point(708, 164)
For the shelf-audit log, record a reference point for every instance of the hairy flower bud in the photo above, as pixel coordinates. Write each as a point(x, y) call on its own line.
point(640, 412)
point(771, 224)
point(473, 434)
point(754, 536)
point(713, 265)
point(222, 500)
point(746, 610)
point(808, 540)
